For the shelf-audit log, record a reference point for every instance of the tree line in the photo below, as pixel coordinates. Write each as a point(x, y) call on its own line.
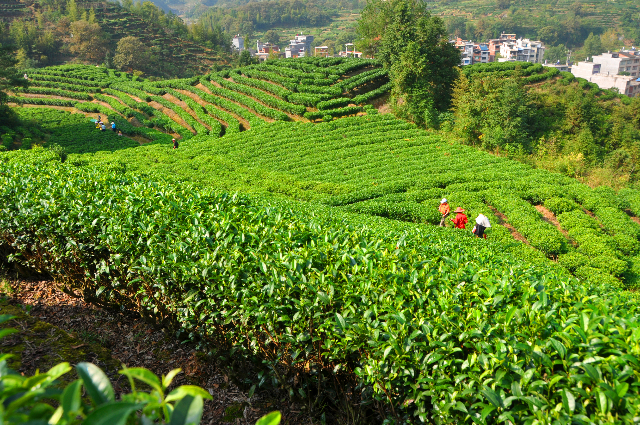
point(565, 124)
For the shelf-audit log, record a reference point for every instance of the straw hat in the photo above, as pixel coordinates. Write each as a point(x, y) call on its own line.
point(458, 210)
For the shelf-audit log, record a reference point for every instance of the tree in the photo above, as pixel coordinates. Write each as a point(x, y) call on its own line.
point(88, 41)
point(414, 47)
point(272, 37)
point(504, 4)
point(556, 53)
point(92, 16)
point(609, 40)
point(592, 46)
point(72, 10)
point(131, 54)
point(245, 58)
point(456, 26)
point(494, 112)
point(10, 77)
point(24, 62)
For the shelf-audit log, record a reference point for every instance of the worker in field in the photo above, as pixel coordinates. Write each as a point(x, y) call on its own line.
point(113, 126)
point(444, 210)
point(460, 220)
point(103, 127)
point(482, 223)
point(175, 143)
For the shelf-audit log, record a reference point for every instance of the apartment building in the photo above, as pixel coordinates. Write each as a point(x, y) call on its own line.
point(595, 73)
point(614, 63)
point(481, 53)
point(523, 50)
point(495, 43)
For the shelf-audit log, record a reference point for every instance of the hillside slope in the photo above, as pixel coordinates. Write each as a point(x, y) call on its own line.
point(388, 319)
point(378, 165)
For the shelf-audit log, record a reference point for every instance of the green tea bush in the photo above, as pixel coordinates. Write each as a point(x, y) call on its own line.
point(609, 265)
point(572, 261)
point(628, 245)
point(598, 277)
point(560, 205)
point(428, 325)
point(23, 397)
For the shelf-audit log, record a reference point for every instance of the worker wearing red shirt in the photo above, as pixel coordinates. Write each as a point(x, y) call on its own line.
point(460, 220)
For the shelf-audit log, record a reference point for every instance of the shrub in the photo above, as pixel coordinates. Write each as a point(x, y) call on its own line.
point(572, 260)
point(609, 265)
point(560, 205)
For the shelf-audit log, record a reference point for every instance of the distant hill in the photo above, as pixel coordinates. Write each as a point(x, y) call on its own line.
point(174, 50)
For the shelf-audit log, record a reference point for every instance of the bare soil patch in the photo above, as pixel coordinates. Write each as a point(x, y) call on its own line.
point(503, 221)
point(202, 103)
point(550, 217)
point(631, 216)
point(171, 114)
point(244, 123)
point(185, 107)
point(45, 96)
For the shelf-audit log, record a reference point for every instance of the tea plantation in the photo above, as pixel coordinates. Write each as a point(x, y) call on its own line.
point(312, 249)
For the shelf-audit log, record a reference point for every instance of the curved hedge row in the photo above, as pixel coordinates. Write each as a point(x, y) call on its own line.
point(339, 112)
point(56, 92)
point(263, 97)
point(41, 101)
point(258, 107)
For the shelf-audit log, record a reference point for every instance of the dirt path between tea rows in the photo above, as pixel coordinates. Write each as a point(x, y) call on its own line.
point(89, 332)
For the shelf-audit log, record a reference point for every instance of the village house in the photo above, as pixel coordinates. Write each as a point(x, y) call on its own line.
point(594, 73)
point(266, 50)
point(614, 63)
point(350, 51)
point(299, 47)
point(522, 50)
point(322, 51)
point(238, 43)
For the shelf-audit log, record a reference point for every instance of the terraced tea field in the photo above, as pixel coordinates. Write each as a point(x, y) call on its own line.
point(378, 165)
point(214, 104)
point(312, 250)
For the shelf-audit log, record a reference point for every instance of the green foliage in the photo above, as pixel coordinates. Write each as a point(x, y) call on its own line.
point(493, 112)
point(24, 396)
point(560, 205)
point(414, 47)
point(337, 298)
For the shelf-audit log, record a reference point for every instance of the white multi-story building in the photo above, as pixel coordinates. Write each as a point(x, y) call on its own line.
point(523, 50)
point(616, 62)
point(594, 73)
point(238, 42)
point(299, 47)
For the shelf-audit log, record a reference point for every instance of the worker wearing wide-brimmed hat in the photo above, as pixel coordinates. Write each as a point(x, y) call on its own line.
point(460, 220)
point(444, 210)
point(482, 223)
